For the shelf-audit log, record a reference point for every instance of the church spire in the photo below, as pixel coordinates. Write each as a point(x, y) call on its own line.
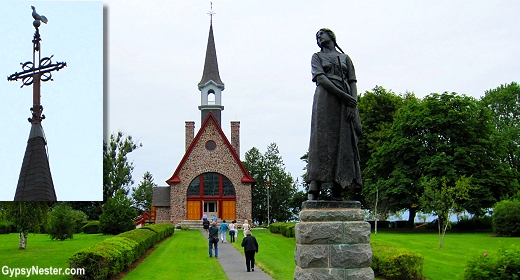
point(211, 86)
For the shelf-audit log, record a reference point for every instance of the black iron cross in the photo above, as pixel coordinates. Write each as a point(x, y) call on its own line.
point(34, 73)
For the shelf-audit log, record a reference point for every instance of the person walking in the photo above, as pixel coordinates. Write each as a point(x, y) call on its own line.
point(213, 239)
point(205, 224)
point(245, 227)
point(232, 231)
point(250, 249)
point(223, 231)
point(214, 218)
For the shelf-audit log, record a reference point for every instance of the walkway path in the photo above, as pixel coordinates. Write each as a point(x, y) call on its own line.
point(234, 263)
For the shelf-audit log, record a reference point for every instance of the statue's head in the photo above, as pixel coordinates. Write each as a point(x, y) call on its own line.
point(329, 32)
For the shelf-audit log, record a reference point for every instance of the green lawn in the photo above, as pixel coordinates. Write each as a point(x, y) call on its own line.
point(182, 256)
point(275, 253)
point(43, 252)
point(447, 262)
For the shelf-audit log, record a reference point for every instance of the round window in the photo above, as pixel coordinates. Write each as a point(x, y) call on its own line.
point(211, 145)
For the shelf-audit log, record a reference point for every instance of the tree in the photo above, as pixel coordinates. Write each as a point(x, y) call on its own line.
point(443, 200)
point(504, 103)
point(377, 110)
point(26, 216)
point(62, 224)
point(281, 189)
point(142, 195)
point(118, 215)
point(446, 135)
point(117, 171)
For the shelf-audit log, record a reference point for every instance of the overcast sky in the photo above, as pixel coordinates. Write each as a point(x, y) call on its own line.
point(156, 52)
point(73, 102)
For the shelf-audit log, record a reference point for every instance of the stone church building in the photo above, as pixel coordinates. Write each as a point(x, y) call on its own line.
point(210, 178)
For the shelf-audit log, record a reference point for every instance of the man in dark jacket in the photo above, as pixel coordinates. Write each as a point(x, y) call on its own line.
point(205, 224)
point(250, 248)
point(213, 239)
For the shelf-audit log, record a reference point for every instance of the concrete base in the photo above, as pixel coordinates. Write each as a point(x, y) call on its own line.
point(333, 242)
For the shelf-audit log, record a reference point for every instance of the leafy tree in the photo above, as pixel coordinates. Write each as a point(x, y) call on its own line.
point(504, 103)
point(142, 195)
point(443, 199)
point(281, 190)
point(118, 215)
point(117, 171)
point(444, 135)
point(62, 224)
point(26, 216)
point(377, 110)
point(90, 208)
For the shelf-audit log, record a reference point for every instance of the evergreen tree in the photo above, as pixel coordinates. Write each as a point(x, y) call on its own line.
point(281, 188)
point(142, 195)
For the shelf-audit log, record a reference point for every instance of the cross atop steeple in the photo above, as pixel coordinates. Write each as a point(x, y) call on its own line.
point(35, 180)
point(211, 13)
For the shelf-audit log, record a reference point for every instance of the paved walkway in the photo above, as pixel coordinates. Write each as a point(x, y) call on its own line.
point(234, 263)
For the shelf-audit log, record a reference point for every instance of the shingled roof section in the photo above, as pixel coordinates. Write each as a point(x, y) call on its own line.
point(210, 72)
point(161, 196)
point(35, 181)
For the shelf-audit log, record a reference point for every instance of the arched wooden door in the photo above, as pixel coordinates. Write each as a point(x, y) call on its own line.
point(213, 187)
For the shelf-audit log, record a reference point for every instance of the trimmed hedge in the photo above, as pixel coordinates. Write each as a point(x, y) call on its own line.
point(396, 264)
point(285, 229)
point(107, 258)
point(162, 230)
point(92, 227)
point(474, 223)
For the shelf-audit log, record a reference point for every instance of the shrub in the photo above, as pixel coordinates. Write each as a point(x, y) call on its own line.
point(104, 259)
point(474, 223)
point(162, 230)
point(505, 218)
point(185, 227)
point(107, 258)
point(6, 227)
point(506, 265)
point(61, 222)
point(275, 227)
point(92, 227)
point(80, 218)
point(118, 215)
point(144, 239)
point(396, 264)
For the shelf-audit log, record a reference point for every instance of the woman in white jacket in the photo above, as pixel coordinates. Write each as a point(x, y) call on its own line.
point(245, 227)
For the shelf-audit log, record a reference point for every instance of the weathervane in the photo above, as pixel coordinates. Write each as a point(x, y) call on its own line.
point(211, 13)
point(33, 74)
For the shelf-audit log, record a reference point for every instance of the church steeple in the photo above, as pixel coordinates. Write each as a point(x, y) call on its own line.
point(211, 86)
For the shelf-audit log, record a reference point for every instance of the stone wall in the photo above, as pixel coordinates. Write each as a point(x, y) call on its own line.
point(202, 160)
point(332, 242)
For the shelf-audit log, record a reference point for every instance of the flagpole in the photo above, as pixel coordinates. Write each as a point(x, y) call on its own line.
point(268, 183)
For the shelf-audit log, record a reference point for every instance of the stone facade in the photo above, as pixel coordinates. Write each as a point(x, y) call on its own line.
point(199, 160)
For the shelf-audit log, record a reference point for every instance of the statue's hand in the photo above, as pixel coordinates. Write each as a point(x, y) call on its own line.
point(349, 100)
point(351, 111)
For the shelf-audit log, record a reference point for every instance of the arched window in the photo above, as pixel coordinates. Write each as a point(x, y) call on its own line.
point(211, 184)
point(211, 96)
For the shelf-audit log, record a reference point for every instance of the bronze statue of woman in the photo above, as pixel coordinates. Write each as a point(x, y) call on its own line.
point(333, 161)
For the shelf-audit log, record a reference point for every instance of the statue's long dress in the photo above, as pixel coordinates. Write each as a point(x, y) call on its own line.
point(333, 151)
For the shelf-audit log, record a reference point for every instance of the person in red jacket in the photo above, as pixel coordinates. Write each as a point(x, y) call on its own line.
point(250, 248)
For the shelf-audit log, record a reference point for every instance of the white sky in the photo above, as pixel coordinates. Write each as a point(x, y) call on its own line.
point(73, 102)
point(264, 48)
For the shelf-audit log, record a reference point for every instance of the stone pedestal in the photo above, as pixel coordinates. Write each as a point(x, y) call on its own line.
point(332, 242)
